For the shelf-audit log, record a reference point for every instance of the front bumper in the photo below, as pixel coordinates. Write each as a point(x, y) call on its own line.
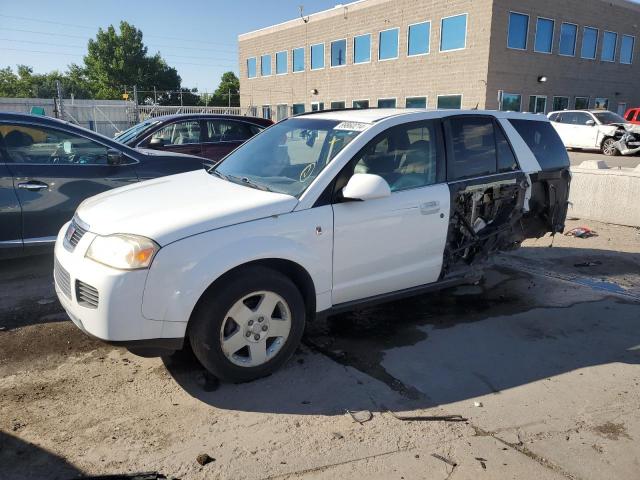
point(106, 303)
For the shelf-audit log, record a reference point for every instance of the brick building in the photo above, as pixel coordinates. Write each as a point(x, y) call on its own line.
point(526, 55)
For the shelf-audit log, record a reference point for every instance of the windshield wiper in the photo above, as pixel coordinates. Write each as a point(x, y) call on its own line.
point(218, 174)
point(249, 183)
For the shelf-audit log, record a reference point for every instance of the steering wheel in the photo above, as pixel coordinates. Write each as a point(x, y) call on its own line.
point(307, 171)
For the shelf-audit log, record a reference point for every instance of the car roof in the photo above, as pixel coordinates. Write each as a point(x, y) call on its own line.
point(374, 115)
point(186, 116)
point(579, 111)
point(28, 117)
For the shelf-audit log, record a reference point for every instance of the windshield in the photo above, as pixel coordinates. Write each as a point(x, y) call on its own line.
point(287, 157)
point(133, 132)
point(607, 118)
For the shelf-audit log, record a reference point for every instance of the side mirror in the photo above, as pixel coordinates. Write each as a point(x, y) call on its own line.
point(114, 157)
point(156, 143)
point(365, 186)
point(590, 123)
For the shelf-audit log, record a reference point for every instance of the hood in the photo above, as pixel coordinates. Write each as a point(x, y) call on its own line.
point(170, 208)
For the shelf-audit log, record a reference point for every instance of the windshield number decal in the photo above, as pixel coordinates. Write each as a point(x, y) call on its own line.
point(353, 126)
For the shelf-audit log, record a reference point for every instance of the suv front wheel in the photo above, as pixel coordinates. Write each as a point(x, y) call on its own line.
point(609, 147)
point(248, 326)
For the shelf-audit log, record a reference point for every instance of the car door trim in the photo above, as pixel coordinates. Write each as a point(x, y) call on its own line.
point(39, 240)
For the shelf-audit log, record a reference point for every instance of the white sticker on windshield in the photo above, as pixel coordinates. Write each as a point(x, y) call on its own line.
point(353, 126)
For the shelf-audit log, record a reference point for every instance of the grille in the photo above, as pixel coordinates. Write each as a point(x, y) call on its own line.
point(86, 295)
point(62, 278)
point(74, 234)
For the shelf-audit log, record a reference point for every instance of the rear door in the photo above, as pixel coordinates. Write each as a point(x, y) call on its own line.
point(222, 136)
point(564, 127)
point(184, 136)
point(10, 212)
point(53, 171)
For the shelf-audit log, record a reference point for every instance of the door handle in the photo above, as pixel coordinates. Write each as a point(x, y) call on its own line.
point(33, 185)
point(429, 208)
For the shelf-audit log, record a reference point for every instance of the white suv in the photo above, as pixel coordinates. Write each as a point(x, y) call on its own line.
point(596, 130)
point(317, 214)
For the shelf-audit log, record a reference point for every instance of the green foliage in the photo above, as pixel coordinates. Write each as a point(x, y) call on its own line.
point(25, 83)
point(228, 83)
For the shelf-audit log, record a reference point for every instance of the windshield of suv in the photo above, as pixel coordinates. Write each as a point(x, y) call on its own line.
point(607, 118)
point(134, 131)
point(287, 157)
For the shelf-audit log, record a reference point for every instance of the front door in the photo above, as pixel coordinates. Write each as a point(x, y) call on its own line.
point(585, 136)
point(222, 136)
point(53, 171)
point(397, 242)
point(10, 213)
point(181, 137)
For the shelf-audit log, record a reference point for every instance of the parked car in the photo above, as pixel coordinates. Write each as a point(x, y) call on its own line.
point(321, 213)
point(209, 136)
point(596, 130)
point(47, 167)
point(633, 115)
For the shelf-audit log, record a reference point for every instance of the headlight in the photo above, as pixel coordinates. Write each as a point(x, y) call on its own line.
point(127, 252)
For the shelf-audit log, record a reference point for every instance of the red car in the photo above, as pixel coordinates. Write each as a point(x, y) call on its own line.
point(205, 135)
point(633, 115)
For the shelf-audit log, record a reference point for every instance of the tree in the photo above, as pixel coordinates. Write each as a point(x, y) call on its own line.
point(116, 61)
point(26, 84)
point(229, 83)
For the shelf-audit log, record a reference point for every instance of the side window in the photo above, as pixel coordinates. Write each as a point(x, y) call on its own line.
point(506, 159)
point(554, 117)
point(406, 156)
point(178, 133)
point(39, 145)
point(581, 118)
point(544, 142)
point(471, 147)
point(229, 131)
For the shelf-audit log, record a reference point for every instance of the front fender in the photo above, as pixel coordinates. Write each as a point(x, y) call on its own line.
point(182, 271)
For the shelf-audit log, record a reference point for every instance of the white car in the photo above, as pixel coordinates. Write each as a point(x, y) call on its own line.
point(596, 130)
point(317, 214)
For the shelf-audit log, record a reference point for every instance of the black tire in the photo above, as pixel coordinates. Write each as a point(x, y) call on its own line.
point(608, 147)
point(206, 323)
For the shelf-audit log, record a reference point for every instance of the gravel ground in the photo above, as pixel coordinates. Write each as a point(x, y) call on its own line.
point(532, 374)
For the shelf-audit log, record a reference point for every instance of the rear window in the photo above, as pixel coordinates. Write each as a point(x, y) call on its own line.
point(544, 142)
point(471, 147)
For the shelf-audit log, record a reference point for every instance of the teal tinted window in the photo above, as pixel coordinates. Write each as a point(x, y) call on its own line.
point(518, 31)
point(360, 104)
point(297, 108)
point(626, 49)
point(544, 35)
point(448, 102)
point(511, 102)
point(388, 44)
point(609, 44)
point(568, 36)
point(589, 43)
point(317, 56)
point(281, 63)
point(298, 59)
point(453, 34)
point(419, 38)
point(251, 67)
point(416, 102)
point(265, 65)
point(338, 53)
point(362, 49)
point(387, 103)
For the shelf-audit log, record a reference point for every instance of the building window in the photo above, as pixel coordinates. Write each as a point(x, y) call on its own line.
point(386, 103)
point(626, 49)
point(511, 102)
point(568, 37)
point(281, 63)
point(560, 103)
point(359, 104)
point(601, 104)
point(453, 33)
point(362, 49)
point(544, 35)
point(265, 65)
point(582, 103)
point(338, 105)
point(609, 44)
point(338, 53)
point(317, 56)
point(388, 49)
point(518, 31)
point(418, 39)
point(589, 43)
point(449, 102)
point(297, 108)
point(298, 59)
point(266, 112)
point(537, 104)
point(416, 102)
point(252, 67)
point(317, 106)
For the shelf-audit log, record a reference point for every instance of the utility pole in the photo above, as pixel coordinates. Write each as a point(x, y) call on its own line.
point(135, 99)
point(229, 98)
point(60, 100)
point(155, 96)
point(181, 97)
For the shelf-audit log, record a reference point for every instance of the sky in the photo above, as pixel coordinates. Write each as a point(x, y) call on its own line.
point(197, 37)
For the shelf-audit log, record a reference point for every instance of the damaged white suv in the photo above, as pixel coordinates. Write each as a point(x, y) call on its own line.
point(317, 214)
